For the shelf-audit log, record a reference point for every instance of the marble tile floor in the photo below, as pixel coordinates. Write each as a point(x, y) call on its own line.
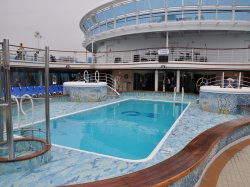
point(72, 167)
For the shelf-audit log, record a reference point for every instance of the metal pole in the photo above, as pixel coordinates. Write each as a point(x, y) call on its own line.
point(156, 80)
point(178, 80)
point(222, 79)
point(239, 82)
point(47, 95)
point(1, 109)
point(9, 125)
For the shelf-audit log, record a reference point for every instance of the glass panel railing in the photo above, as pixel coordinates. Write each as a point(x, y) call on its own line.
point(144, 18)
point(120, 23)
point(131, 20)
point(208, 15)
point(243, 15)
point(175, 16)
point(224, 15)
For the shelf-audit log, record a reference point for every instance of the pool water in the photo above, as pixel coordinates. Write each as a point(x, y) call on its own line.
point(129, 129)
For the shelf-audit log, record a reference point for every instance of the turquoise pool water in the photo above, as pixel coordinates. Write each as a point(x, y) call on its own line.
point(129, 129)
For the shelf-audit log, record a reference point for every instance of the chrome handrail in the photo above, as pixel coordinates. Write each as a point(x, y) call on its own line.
point(32, 105)
point(18, 110)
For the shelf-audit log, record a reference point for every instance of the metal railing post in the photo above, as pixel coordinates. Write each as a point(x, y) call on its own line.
point(9, 125)
point(47, 95)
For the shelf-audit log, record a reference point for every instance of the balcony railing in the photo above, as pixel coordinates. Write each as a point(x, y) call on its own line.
point(149, 55)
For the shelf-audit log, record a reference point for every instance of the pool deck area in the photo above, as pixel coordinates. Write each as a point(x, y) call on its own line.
point(69, 166)
point(229, 169)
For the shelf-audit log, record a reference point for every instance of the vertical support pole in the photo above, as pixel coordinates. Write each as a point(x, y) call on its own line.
point(167, 41)
point(222, 79)
point(239, 82)
point(47, 117)
point(9, 125)
point(1, 109)
point(156, 80)
point(178, 78)
point(182, 94)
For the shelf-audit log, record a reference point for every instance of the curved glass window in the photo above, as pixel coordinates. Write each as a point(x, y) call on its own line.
point(90, 22)
point(103, 27)
point(225, 2)
point(120, 23)
point(158, 17)
point(242, 15)
point(96, 30)
point(157, 4)
point(243, 2)
point(190, 15)
point(190, 2)
point(175, 16)
point(174, 3)
point(100, 16)
point(125, 9)
point(209, 2)
point(143, 5)
point(144, 18)
point(110, 25)
point(85, 25)
point(106, 14)
point(224, 15)
point(208, 15)
point(131, 20)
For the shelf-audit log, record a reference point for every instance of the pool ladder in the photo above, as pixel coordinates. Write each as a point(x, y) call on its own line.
point(182, 94)
point(20, 107)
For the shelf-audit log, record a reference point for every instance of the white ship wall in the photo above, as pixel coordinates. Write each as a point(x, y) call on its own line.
point(213, 40)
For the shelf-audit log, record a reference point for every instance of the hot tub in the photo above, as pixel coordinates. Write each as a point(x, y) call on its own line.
point(81, 91)
point(223, 100)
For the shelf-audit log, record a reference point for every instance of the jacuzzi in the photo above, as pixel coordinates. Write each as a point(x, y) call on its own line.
point(223, 100)
point(80, 91)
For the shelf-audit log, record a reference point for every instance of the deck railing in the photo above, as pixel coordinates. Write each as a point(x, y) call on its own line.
point(150, 55)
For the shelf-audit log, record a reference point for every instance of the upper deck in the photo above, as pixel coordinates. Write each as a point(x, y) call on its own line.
point(149, 58)
point(120, 17)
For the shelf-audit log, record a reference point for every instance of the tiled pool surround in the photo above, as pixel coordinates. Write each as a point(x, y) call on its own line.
point(80, 91)
point(30, 153)
point(223, 100)
point(79, 167)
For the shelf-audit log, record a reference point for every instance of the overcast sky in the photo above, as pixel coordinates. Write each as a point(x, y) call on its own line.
point(56, 20)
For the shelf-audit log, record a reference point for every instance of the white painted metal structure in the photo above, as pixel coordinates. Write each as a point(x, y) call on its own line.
point(116, 24)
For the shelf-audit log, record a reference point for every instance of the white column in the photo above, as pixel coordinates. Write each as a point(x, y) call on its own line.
point(156, 80)
point(178, 78)
point(167, 42)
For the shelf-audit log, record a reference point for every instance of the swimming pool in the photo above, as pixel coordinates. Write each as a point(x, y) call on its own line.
point(130, 129)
